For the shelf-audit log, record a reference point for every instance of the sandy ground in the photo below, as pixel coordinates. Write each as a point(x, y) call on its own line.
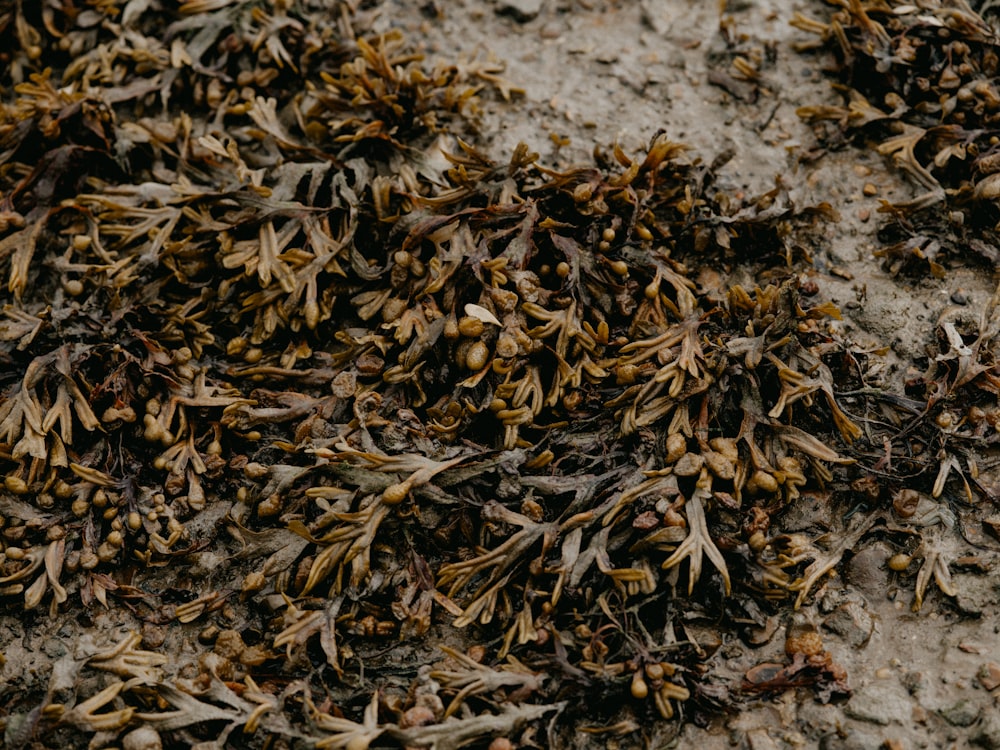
point(597, 71)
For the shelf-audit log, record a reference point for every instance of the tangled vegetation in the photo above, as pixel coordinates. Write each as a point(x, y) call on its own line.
point(919, 80)
point(270, 324)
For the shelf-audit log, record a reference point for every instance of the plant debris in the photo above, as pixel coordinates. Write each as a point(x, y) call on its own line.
point(919, 80)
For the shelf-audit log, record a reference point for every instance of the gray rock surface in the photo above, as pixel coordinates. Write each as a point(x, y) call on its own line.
point(880, 702)
point(852, 622)
point(961, 714)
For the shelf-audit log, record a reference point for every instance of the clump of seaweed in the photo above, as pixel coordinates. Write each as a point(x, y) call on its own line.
point(919, 82)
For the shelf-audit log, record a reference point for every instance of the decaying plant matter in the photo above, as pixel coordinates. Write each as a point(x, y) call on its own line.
point(266, 306)
point(919, 80)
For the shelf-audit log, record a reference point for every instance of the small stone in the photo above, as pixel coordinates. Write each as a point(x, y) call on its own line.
point(521, 11)
point(976, 593)
point(962, 714)
point(880, 703)
point(989, 675)
point(551, 31)
point(833, 598)
point(153, 636)
point(143, 738)
point(852, 623)
point(959, 297)
point(864, 214)
point(869, 189)
point(759, 739)
point(866, 570)
point(54, 648)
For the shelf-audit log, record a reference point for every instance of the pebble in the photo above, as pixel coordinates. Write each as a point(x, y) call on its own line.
point(551, 31)
point(521, 11)
point(759, 739)
point(962, 714)
point(54, 648)
point(866, 570)
point(976, 593)
point(821, 718)
point(153, 636)
point(869, 189)
point(989, 675)
point(833, 598)
point(959, 297)
point(852, 623)
point(880, 703)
